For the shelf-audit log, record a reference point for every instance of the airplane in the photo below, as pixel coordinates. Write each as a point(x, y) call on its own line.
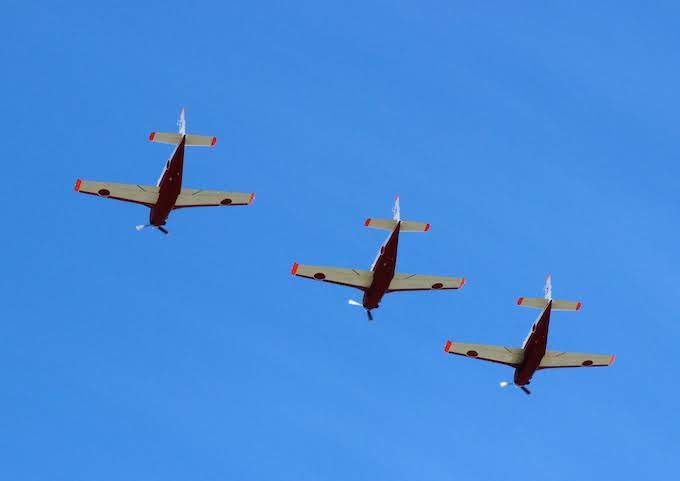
point(533, 355)
point(381, 279)
point(168, 193)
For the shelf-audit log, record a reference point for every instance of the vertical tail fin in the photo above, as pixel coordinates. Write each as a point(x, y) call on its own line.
point(396, 211)
point(548, 287)
point(182, 122)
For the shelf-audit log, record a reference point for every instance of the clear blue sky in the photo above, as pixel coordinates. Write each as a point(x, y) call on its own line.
point(533, 138)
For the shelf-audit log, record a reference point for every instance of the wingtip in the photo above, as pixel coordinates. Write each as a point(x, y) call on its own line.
point(295, 268)
point(427, 227)
point(462, 283)
point(447, 346)
point(367, 223)
point(252, 198)
point(151, 136)
point(519, 301)
point(214, 141)
point(612, 359)
point(78, 182)
point(578, 306)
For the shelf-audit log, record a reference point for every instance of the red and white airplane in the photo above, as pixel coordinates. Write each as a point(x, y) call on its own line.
point(533, 355)
point(381, 279)
point(168, 194)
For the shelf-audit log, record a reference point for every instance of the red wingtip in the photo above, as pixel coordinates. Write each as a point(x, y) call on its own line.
point(611, 360)
point(448, 345)
point(462, 283)
point(519, 301)
point(214, 141)
point(252, 198)
point(78, 185)
point(152, 135)
point(295, 268)
point(367, 223)
point(427, 227)
point(578, 306)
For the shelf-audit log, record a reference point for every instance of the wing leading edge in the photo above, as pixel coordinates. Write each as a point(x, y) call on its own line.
point(212, 198)
point(557, 359)
point(415, 282)
point(139, 194)
point(510, 356)
point(356, 278)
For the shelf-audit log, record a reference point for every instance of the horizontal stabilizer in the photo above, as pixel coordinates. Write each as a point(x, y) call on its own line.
point(540, 303)
point(191, 140)
point(511, 356)
point(389, 224)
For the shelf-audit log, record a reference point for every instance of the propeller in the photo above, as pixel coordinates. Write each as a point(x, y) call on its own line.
point(144, 226)
point(352, 302)
point(506, 384)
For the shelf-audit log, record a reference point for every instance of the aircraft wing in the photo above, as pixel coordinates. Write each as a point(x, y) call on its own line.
point(211, 198)
point(510, 356)
point(335, 275)
point(415, 282)
point(555, 359)
point(138, 194)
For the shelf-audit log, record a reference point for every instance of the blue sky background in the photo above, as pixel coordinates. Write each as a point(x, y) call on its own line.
point(533, 138)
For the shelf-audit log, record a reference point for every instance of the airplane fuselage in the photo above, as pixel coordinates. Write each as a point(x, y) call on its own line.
point(534, 348)
point(383, 270)
point(170, 186)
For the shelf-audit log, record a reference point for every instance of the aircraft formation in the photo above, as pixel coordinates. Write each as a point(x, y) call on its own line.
point(382, 278)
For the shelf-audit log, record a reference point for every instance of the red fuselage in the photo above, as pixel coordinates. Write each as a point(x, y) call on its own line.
point(170, 186)
point(534, 348)
point(383, 270)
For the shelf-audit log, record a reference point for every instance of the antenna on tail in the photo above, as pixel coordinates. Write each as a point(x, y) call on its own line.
point(182, 123)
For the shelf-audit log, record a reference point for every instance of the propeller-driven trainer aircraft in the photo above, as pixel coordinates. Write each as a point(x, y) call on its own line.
point(381, 279)
point(533, 355)
point(168, 193)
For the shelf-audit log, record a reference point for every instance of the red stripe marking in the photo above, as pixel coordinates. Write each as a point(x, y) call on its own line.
point(252, 197)
point(153, 134)
point(367, 223)
point(448, 345)
point(427, 227)
point(214, 141)
point(295, 268)
point(519, 301)
point(578, 306)
point(462, 283)
point(78, 182)
point(611, 360)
